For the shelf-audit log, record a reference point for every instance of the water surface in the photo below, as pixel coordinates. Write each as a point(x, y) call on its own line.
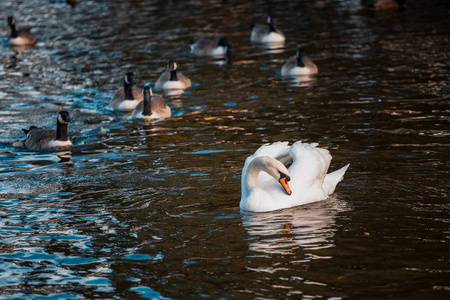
point(151, 210)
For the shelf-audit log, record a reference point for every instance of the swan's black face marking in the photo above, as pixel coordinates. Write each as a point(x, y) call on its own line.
point(284, 182)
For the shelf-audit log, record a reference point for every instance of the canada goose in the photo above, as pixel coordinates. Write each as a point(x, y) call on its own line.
point(38, 138)
point(152, 107)
point(21, 37)
point(266, 33)
point(300, 64)
point(210, 46)
point(128, 97)
point(171, 79)
point(388, 5)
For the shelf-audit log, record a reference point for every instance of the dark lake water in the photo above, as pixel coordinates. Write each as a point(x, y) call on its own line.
point(151, 209)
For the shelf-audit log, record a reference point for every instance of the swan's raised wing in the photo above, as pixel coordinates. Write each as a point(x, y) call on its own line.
point(277, 150)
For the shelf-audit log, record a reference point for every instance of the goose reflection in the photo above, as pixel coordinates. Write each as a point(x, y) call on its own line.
point(302, 80)
point(20, 49)
point(270, 47)
point(174, 93)
point(64, 156)
point(284, 231)
point(275, 48)
point(219, 61)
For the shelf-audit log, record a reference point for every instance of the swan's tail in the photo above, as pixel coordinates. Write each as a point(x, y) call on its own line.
point(333, 178)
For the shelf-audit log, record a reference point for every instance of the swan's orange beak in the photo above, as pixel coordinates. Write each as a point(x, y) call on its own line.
point(284, 182)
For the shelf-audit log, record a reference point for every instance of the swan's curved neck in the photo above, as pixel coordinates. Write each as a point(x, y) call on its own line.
point(267, 164)
point(258, 164)
point(251, 178)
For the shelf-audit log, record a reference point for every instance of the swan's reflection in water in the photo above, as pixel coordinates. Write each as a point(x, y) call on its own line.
point(283, 231)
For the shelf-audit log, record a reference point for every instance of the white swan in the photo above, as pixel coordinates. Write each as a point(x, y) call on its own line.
point(277, 187)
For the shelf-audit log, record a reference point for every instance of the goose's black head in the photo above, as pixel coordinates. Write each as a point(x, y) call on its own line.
point(271, 22)
point(172, 66)
point(129, 79)
point(147, 92)
point(223, 42)
point(63, 117)
point(11, 21)
point(300, 52)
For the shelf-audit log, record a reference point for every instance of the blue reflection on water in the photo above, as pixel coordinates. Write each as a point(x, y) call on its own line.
point(148, 293)
point(136, 256)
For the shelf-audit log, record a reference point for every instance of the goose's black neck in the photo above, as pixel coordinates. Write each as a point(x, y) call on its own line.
point(128, 89)
point(271, 24)
point(173, 75)
point(300, 61)
point(147, 105)
point(61, 132)
point(14, 33)
point(224, 43)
